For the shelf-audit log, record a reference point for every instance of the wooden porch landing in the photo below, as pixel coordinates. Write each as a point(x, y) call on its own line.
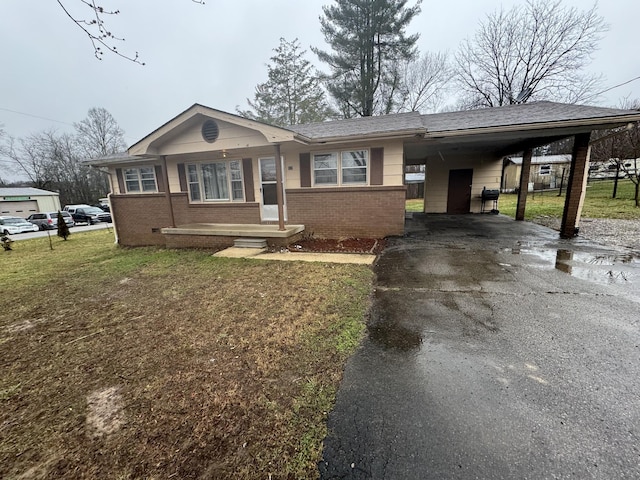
point(234, 230)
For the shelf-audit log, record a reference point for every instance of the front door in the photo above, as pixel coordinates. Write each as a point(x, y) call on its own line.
point(459, 195)
point(268, 188)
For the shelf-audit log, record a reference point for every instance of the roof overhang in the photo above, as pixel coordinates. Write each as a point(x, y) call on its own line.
point(503, 140)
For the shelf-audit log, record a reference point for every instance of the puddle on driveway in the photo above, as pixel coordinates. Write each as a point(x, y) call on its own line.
point(604, 268)
point(390, 335)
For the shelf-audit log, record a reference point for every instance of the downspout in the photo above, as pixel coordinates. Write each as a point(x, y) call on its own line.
point(279, 192)
point(167, 190)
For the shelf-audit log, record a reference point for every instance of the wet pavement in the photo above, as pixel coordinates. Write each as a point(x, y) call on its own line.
point(494, 350)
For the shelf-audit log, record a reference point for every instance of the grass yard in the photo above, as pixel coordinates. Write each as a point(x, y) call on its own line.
point(149, 363)
point(598, 202)
point(414, 205)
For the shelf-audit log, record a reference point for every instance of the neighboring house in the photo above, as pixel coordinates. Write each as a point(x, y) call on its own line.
point(23, 201)
point(547, 171)
point(207, 177)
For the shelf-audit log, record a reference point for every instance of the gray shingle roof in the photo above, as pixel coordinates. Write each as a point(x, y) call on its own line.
point(24, 192)
point(524, 114)
point(352, 127)
point(528, 113)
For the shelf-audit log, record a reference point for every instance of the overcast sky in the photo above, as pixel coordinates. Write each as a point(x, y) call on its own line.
point(213, 54)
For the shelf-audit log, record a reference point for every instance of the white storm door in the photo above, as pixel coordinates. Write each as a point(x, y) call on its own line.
point(268, 189)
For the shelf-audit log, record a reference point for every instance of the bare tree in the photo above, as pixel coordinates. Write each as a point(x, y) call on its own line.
point(424, 83)
point(54, 161)
point(534, 51)
point(30, 156)
point(94, 25)
point(620, 148)
point(99, 134)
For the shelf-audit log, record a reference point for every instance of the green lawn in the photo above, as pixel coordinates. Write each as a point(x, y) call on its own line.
point(598, 202)
point(154, 363)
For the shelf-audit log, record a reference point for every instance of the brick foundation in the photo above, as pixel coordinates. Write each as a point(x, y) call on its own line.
point(359, 212)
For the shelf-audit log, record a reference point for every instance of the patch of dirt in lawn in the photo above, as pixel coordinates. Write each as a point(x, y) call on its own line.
point(105, 414)
point(184, 366)
point(347, 245)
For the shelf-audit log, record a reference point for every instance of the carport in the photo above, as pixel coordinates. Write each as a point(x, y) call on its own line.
point(456, 143)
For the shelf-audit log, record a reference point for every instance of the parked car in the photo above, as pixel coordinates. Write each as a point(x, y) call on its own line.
point(49, 220)
point(90, 215)
point(11, 225)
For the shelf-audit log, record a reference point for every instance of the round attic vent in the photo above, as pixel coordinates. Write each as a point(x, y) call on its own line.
point(210, 131)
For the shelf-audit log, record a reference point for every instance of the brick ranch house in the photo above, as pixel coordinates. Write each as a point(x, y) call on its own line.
point(207, 177)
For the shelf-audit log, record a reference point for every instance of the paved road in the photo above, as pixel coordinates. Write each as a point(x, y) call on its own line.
point(77, 228)
point(494, 350)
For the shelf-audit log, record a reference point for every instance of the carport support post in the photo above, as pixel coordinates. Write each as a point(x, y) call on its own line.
point(576, 186)
point(279, 192)
point(524, 183)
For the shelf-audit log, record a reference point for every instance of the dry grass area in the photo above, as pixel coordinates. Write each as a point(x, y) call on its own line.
point(148, 363)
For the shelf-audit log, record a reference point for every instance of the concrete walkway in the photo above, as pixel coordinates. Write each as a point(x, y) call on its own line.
point(286, 256)
point(494, 350)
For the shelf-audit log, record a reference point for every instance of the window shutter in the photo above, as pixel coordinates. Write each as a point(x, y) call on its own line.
point(247, 174)
point(159, 178)
point(121, 186)
point(305, 169)
point(376, 177)
point(183, 177)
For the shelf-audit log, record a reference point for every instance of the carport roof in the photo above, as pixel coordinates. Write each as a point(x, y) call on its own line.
point(508, 130)
point(529, 114)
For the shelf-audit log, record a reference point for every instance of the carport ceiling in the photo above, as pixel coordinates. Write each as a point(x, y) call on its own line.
point(507, 130)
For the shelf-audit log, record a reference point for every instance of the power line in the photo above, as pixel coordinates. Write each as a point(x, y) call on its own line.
point(615, 86)
point(36, 116)
point(48, 119)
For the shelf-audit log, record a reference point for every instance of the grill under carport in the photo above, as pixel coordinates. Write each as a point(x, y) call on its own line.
point(490, 195)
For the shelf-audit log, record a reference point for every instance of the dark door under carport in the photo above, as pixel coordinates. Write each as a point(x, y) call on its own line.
point(459, 193)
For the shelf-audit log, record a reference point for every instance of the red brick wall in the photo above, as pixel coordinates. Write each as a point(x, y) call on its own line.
point(365, 212)
point(185, 213)
point(138, 216)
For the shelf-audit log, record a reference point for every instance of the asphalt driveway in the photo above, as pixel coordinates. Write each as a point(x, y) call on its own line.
point(494, 350)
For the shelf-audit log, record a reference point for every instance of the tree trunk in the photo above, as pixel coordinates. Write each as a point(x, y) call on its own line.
point(615, 182)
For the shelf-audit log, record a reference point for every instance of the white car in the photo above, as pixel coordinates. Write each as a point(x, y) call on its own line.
point(12, 225)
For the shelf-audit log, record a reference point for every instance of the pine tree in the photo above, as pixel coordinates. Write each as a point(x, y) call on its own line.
point(368, 41)
point(292, 93)
point(63, 228)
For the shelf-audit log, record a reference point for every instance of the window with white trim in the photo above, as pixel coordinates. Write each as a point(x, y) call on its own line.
point(348, 167)
point(215, 181)
point(545, 170)
point(140, 180)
